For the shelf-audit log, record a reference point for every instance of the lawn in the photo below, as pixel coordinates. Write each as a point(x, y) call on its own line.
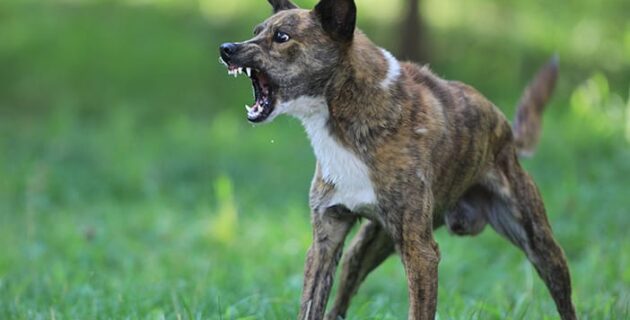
point(132, 186)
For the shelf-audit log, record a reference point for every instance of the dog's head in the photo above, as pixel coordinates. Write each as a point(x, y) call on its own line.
point(293, 54)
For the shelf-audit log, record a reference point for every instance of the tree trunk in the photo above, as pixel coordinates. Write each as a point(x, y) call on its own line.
point(414, 42)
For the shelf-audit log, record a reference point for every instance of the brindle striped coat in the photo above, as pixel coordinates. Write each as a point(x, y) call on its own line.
point(401, 147)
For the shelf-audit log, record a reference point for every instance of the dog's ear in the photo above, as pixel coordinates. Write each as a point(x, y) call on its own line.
point(279, 5)
point(338, 18)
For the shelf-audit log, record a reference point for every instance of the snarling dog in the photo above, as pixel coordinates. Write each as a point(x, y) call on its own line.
point(398, 146)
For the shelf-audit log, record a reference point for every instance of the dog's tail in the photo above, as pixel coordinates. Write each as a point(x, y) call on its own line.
point(527, 123)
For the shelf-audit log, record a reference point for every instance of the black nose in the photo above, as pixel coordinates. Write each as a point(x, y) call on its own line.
point(227, 50)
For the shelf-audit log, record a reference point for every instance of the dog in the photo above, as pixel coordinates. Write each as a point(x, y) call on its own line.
point(399, 147)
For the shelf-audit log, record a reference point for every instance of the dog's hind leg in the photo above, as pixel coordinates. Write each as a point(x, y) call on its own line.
point(518, 214)
point(369, 248)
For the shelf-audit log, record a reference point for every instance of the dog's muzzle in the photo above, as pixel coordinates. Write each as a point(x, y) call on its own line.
point(227, 50)
point(262, 85)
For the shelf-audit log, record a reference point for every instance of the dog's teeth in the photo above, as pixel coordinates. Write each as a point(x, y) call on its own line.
point(240, 70)
point(248, 71)
point(248, 108)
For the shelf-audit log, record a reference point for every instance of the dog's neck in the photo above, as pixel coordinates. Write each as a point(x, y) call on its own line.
point(356, 108)
point(353, 115)
point(364, 64)
point(359, 95)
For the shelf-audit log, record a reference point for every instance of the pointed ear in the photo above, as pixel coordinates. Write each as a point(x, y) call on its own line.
point(338, 18)
point(279, 5)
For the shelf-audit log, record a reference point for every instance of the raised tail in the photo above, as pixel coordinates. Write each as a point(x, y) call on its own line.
point(528, 120)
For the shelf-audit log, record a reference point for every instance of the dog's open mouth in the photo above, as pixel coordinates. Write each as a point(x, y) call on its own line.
point(263, 92)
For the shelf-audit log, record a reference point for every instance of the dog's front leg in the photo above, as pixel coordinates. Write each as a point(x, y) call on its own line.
point(412, 230)
point(330, 227)
point(369, 248)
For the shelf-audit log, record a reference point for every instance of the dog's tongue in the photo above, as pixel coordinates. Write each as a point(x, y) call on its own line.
point(262, 91)
point(262, 101)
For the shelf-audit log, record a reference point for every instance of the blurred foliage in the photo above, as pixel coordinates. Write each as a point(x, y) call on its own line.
point(224, 226)
point(131, 184)
point(594, 102)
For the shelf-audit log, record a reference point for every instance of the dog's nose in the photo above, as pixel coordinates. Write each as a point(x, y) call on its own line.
point(227, 50)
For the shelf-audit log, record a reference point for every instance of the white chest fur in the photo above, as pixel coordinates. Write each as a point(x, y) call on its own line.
point(338, 165)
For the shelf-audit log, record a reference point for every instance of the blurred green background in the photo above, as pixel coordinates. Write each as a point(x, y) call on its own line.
point(132, 186)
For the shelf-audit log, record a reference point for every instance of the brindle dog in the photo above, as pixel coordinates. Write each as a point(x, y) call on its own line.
point(399, 146)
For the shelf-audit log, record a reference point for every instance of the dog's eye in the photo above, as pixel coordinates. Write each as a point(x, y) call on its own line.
point(281, 37)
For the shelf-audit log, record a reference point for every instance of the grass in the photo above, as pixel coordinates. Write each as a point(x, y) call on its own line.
point(132, 186)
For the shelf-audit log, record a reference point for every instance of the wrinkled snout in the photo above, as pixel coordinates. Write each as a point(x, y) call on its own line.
point(227, 51)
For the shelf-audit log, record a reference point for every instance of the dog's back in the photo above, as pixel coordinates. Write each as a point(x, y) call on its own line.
point(475, 131)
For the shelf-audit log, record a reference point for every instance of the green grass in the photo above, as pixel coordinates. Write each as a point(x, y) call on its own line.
point(131, 185)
